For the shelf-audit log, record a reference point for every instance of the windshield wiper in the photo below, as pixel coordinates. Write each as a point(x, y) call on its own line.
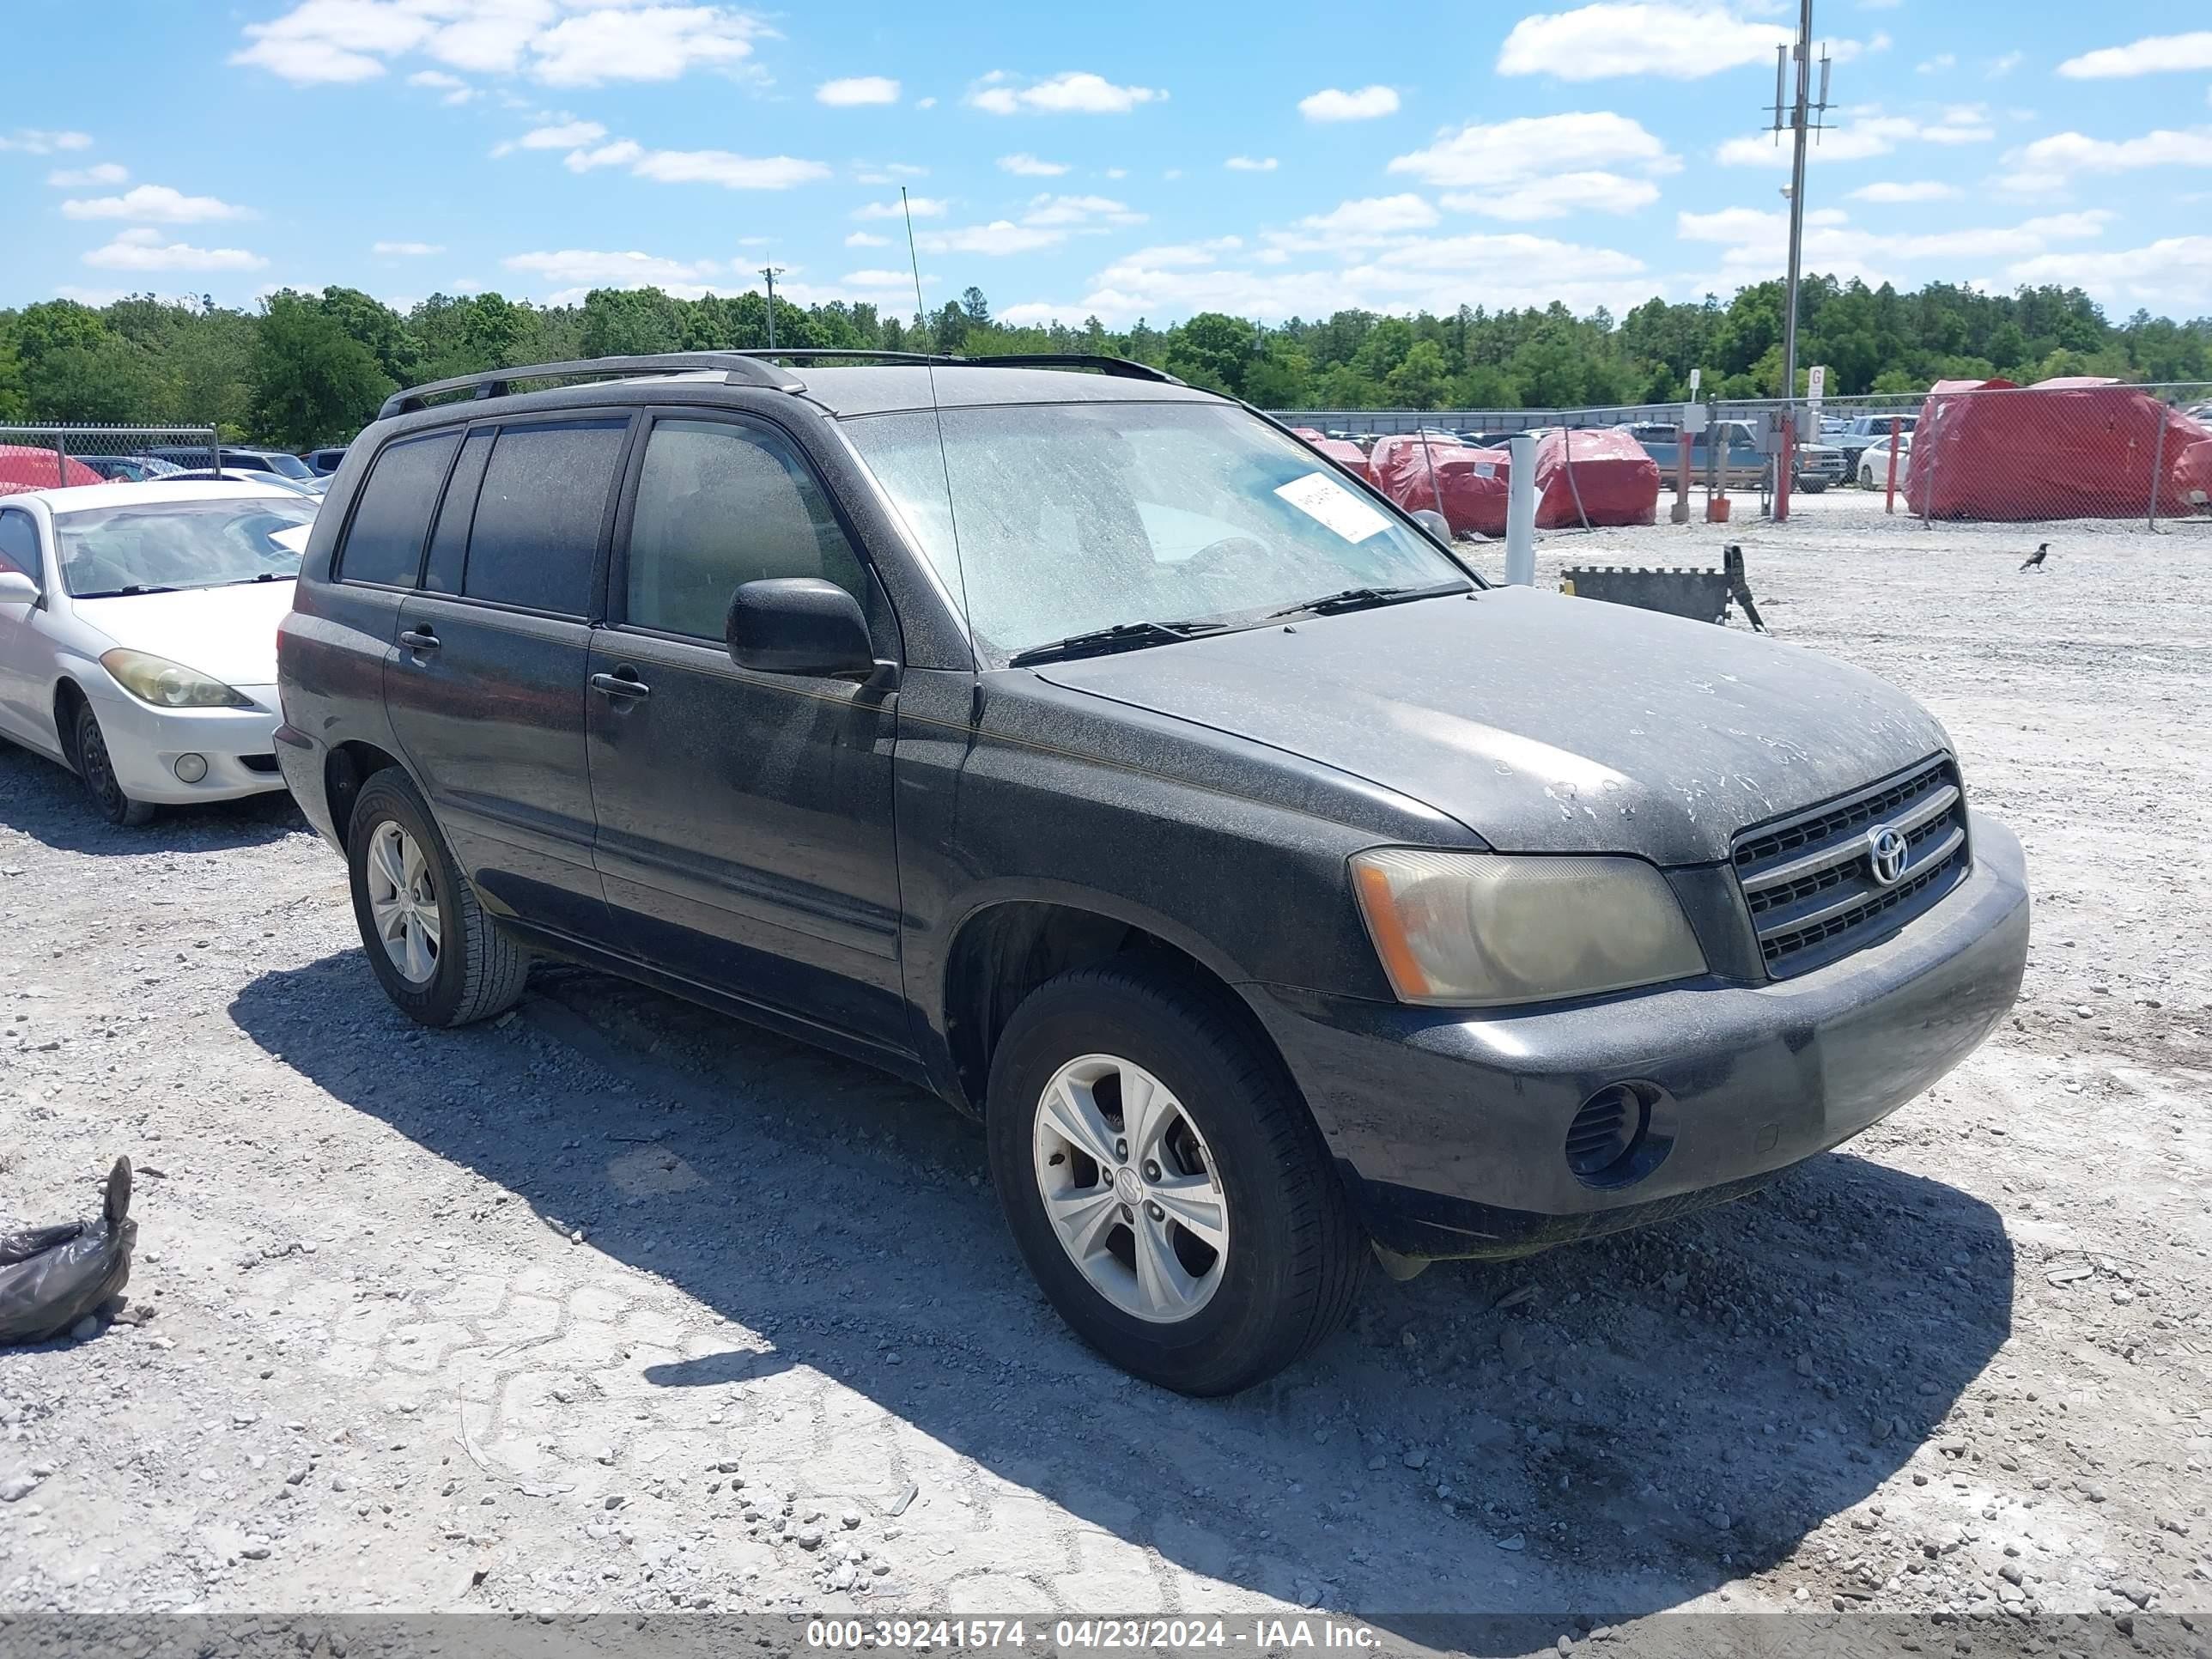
point(1358, 598)
point(129, 591)
point(1123, 636)
point(264, 577)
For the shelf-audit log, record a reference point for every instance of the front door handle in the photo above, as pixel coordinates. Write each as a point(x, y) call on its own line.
point(419, 639)
point(623, 683)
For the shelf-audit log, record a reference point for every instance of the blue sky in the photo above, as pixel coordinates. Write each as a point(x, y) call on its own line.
point(1137, 160)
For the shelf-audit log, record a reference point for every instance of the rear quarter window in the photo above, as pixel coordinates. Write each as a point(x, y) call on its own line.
point(384, 543)
point(535, 540)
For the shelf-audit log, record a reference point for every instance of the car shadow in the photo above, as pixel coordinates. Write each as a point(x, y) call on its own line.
point(1613, 1429)
point(46, 801)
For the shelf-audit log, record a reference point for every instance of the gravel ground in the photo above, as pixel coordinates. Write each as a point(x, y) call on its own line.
point(618, 1304)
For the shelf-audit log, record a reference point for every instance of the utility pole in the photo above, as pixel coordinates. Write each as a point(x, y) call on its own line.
point(1799, 117)
point(774, 271)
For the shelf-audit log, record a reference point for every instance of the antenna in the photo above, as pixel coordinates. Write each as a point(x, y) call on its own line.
point(945, 462)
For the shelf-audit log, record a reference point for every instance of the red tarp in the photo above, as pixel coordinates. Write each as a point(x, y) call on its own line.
point(2075, 447)
point(23, 467)
point(1467, 485)
point(1342, 450)
point(1613, 481)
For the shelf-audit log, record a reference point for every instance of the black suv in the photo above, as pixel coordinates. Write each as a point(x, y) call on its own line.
point(1084, 748)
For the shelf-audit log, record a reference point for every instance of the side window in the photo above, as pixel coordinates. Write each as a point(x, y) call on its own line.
point(19, 545)
point(537, 528)
point(719, 505)
point(449, 537)
point(384, 543)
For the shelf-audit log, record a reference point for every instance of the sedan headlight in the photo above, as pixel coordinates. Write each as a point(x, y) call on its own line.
point(169, 684)
point(1482, 929)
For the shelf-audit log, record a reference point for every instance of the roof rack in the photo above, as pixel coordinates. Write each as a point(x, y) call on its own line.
point(850, 353)
point(737, 366)
point(1120, 368)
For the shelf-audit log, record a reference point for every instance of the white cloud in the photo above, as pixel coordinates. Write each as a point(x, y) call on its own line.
point(1680, 43)
point(1251, 164)
point(1366, 219)
point(1000, 236)
point(559, 42)
point(1923, 189)
point(1536, 146)
point(1074, 92)
point(925, 103)
point(1365, 105)
point(456, 90)
point(2149, 56)
point(1432, 273)
point(922, 207)
point(144, 250)
point(2004, 63)
point(1026, 166)
point(1079, 210)
point(1178, 255)
point(2073, 152)
point(2169, 272)
point(407, 250)
point(1756, 243)
point(580, 269)
point(1595, 191)
point(699, 167)
point(866, 239)
point(1856, 141)
point(153, 204)
point(1940, 64)
point(40, 140)
point(868, 172)
point(562, 135)
point(858, 89)
point(106, 173)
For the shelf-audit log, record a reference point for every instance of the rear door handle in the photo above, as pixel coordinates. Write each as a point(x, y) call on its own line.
point(624, 684)
point(419, 639)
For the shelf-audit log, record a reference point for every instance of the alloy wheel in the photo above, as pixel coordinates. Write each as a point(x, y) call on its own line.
point(1131, 1188)
point(402, 902)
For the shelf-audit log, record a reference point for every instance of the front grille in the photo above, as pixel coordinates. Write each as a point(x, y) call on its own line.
point(1808, 879)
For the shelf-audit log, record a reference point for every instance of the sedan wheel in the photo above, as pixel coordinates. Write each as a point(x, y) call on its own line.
point(95, 766)
point(403, 900)
point(1129, 1185)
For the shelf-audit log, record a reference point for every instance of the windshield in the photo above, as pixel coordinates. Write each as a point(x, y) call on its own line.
point(286, 466)
point(162, 545)
point(1076, 517)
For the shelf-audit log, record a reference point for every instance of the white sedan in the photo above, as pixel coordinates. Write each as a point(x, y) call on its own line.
point(138, 635)
point(1874, 462)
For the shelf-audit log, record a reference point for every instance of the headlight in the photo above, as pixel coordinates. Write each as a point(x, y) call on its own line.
point(169, 684)
point(1480, 929)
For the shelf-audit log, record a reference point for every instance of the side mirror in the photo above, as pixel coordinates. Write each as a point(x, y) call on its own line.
point(799, 625)
point(1434, 522)
point(16, 588)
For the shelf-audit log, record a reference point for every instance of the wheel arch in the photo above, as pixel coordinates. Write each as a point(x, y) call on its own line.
point(347, 766)
point(1003, 949)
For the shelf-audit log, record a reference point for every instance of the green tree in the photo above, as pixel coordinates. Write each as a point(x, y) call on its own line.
point(109, 382)
point(630, 322)
point(377, 326)
point(1423, 380)
point(1212, 350)
point(977, 307)
point(313, 383)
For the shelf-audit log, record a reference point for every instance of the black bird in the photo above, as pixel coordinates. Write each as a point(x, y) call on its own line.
point(2035, 559)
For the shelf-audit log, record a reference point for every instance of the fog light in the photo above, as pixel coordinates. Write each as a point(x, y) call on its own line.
point(189, 768)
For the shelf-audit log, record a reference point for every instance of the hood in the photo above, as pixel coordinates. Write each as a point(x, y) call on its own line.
point(229, 634)
point(1543, 723)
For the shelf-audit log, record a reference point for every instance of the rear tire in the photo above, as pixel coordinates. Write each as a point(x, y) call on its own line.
point(1240, 1154)
point(97, 770)
point(439, 958)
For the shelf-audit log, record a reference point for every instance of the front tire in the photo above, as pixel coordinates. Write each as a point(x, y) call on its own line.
point(97, 769)
point(438, 956)
point(1164, 1182)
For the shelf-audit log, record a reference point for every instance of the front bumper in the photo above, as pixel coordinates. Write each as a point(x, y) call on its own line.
point(143, 743)
point(1450, 1127)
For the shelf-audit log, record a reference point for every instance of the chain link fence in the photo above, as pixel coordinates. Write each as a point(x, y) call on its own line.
point(55, 457)
point(1964, 453)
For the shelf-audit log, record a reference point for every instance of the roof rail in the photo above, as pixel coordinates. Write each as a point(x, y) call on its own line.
point(851, 354)
point(1120, 368)
point(737, 366)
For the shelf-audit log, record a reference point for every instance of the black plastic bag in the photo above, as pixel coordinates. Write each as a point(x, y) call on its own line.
point(51, 1277)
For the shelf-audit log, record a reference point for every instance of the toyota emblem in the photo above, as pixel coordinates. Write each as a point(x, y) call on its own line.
point(1886, 849)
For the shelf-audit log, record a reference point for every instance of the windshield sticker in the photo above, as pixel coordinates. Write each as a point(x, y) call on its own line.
point(294, 537)
point(1322, 498)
